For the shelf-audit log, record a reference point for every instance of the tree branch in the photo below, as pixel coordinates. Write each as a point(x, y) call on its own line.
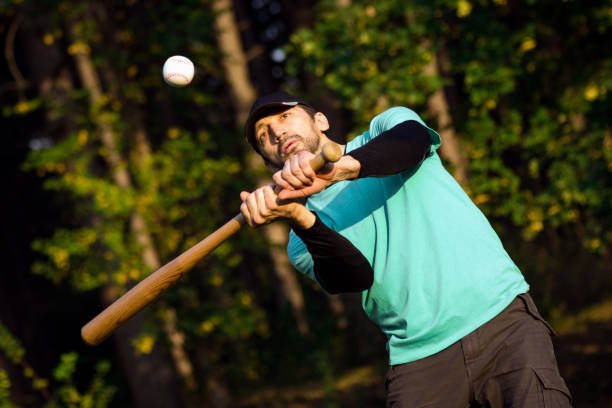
point(9, 54)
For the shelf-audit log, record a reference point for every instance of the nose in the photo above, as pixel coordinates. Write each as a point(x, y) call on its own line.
point(279, 132)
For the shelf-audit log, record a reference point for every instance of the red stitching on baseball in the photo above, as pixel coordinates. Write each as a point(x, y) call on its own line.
point(181, 60)
point(178, 74)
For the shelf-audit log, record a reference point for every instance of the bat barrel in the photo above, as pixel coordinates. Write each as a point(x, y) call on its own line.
point(152, 286)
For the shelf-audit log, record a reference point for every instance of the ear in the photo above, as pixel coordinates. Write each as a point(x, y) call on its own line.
point(321, 121)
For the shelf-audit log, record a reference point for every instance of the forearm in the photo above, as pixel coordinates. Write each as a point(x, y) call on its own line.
point(338, 265)
point(347, 168)
point(301, 217)
point(400, 148)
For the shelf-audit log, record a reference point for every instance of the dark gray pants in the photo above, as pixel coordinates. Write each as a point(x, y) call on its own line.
point(507, 362)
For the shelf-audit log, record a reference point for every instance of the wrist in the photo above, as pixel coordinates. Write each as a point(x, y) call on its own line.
point(301, 217)
point(347, 168)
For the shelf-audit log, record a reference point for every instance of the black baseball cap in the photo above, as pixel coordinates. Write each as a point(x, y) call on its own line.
point(262, 104)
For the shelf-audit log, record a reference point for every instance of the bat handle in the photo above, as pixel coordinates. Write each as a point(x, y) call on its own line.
point(330, 153)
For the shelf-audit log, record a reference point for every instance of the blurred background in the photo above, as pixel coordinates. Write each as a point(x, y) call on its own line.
point(109, 173)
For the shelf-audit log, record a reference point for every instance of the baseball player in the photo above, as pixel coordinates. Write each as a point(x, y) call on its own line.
point(389, 221)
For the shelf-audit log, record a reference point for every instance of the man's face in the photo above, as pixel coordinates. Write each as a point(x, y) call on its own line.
point(283, 132)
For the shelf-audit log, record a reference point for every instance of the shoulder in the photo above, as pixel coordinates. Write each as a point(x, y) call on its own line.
point(392, 117)
point(396, 115)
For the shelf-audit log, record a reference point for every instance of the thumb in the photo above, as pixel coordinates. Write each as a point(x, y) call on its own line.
point(290, 194)
point(244, 195)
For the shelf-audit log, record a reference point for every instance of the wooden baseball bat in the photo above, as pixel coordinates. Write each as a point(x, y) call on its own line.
point(155, 284)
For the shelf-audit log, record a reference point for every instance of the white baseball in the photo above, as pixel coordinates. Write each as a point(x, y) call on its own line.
point(178, 71)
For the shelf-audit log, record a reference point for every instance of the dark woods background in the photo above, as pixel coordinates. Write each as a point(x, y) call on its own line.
point(109, 173)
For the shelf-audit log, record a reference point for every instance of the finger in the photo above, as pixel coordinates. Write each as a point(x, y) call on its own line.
point(280, 182)
point(244, 195)
point(262, 209)
point(270, 198)
point(304, 163)
point(251, 203)
point(244, 209)
point(289, 177)
point(297, 171)
point(294, 194)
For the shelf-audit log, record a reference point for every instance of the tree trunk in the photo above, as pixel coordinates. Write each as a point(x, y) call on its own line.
point(144, 373)
point(437, 105)
point(152, 381)
point(141, 158)
point(150, 256)
point(243, 94)
point(299, 13)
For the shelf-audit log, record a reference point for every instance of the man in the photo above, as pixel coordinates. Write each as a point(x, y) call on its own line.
point(389, 221)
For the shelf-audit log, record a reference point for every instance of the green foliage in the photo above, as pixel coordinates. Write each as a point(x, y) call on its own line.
point(5, 390)
point(181, 153)
point(529, 96)
point(10, 346)
point(528, 89)
point(366, 67)
point(63, 391)
point(167, 184)
point(97, 395)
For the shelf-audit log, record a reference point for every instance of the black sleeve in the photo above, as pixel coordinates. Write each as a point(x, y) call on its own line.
point(400, 148)
point(338, 266)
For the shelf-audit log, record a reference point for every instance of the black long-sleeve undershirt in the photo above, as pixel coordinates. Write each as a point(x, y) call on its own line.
point(338, 265)
point(402, 147)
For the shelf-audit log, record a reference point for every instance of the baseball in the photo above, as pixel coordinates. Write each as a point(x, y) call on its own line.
point(178, 71)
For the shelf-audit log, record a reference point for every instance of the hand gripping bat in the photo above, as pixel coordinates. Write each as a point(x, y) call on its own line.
point(155, 284)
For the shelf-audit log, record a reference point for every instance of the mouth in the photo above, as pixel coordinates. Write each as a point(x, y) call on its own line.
point(288, 145)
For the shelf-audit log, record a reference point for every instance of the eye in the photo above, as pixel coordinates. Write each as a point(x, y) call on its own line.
point(285, 115)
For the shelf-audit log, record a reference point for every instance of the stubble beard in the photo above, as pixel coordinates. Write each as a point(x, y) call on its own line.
point(309, 143)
